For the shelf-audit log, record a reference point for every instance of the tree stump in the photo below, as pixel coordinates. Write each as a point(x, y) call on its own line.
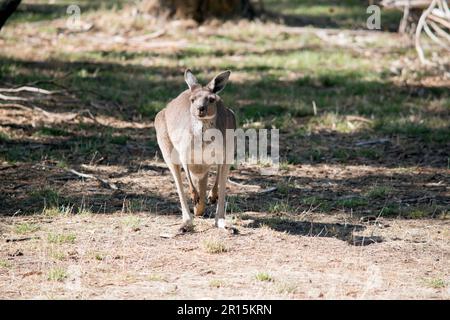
point(200, 10)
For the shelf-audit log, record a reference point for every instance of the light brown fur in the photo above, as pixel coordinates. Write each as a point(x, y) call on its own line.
point(184, 118)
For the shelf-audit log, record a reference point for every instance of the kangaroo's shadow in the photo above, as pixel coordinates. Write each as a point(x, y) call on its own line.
point(344, 232)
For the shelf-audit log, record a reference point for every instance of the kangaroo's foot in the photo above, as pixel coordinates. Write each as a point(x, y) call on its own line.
point(186, 227)
point(220, 223)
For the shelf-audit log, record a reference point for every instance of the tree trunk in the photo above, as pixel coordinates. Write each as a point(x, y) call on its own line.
point(7, 8)
point(200, 10)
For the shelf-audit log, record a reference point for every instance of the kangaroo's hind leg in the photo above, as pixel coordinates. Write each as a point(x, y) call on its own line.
point(220, 211)
point(213, 194)
point(167, 150)
point(201, 185)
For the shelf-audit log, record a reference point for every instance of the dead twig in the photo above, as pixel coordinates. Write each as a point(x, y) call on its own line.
point(268, 190)
point(12, 98)
point(153, 35)
point(243, 185)
point(358, 118)
point(20, 239)
point(371, 142)
point(27, 89)
point(15, 106)
point(53, 82)
point(90, 176)
point(49, 115)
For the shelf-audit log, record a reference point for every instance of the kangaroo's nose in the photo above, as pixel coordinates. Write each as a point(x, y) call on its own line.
point(202, 109)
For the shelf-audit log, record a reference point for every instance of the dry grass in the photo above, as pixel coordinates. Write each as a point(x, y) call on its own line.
point(215, 246)
point(143, 265)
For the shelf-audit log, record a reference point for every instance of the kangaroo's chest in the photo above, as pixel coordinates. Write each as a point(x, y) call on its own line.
point(204, 146)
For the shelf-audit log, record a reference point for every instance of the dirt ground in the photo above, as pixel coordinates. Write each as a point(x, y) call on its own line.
point(342, 219)
point(109, 259)
point(126, 254)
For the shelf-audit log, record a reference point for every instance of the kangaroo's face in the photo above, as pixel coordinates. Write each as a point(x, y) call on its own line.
point(203, 99)
point(203, 103)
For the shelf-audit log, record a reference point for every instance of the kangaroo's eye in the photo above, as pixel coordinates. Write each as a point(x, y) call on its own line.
point(192, 100)
point(212, 99)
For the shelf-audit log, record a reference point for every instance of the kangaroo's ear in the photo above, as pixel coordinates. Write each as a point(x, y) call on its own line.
point(190, 79)
point(218, 83)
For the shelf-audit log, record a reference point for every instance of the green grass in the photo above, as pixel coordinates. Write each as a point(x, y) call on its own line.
point(264, 277)
point(391, 210)
point(284, 165)
point(436, 283)
point(317, 202)
point(428, 129)
point(26, 227)
point(4, 137)
point(287, 288)
point(50, 197)
point(121, 140)
point(413, 212)
point(61, 238)
point(57, 274)
point(132, 222)
point(418, 212)
point(379, 192)
point(136, 205)
point(352, 202)
point(281, 206)
point(285, 187)
point(5, 264)
point(58, 255)
point(55, 211)
point(234, 204)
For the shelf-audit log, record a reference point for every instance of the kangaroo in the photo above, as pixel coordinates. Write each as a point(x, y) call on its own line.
point(184, 120)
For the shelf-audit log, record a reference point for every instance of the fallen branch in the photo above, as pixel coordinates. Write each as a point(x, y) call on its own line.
point(440, 20)
point(440, 31)
point(417, 200)
point(433, 37)
point(53, 82)
point(242, 185)
point(15, 106)
point(49, 115)
point(358, 118)
point(12, 98)
point(268, 190)
point(150, 36)
point(89, 115)
point(27, 89)
point(90, 176)
point(21, 239)
point(371, 142)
